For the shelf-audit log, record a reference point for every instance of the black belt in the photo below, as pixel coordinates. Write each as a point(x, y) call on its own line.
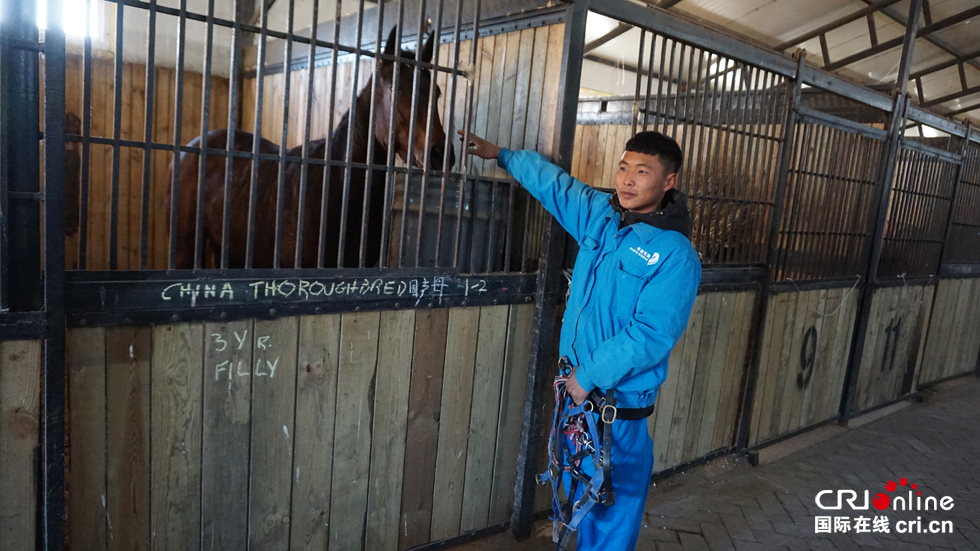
point(610, 412)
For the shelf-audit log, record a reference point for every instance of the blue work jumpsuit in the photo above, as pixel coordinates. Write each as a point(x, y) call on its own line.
point(630, 299)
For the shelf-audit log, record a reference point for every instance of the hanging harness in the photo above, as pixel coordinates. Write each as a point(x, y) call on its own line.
point(576, 437)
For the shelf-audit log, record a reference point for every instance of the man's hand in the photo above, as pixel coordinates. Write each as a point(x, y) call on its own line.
point(574, 389)
point(480, 147)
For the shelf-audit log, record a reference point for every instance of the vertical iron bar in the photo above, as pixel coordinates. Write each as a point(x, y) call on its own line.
point(148, 108)
point(886, 171)
point(430, 109)
point(284, 139)
point(721, 172)
point(327, 150)
point(741, 145)
point(548, 280)
point(511, 187)
point(763, 164)
point(390, 162)
point(646, 101)
point(178, 115)
point(662, 116)
point(758, 321)
point(116, 136)
point(467, 120)
point(230, 138)
point(448, 146)
point(678, 92)
point(413, 119)
point(205, 124)
point(256, 136)
point(54, 280)
point(349, 155)
point(308, 123)
point(369, 174)
point(814, 179)
point(639, 74)
point(697, 182)
point(660, 86)
point(709, 202)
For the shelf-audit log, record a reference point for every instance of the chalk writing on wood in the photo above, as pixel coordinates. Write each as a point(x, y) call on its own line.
point(227, 369)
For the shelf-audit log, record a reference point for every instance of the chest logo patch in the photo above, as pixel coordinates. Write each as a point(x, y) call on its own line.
point(650, 259)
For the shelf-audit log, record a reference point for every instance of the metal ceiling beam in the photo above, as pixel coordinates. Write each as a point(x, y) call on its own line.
point(951, 97)
point(667, 4)
point(888, 45)
point(835, 24)
point(946, 64)
point(962, 110)
point(936, 41)
point(620, 30)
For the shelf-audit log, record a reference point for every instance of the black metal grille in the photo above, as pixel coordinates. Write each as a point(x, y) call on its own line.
point(963, 245)
point(725, 115)
point(920, 200)
point(285, 199)
point(830, 191)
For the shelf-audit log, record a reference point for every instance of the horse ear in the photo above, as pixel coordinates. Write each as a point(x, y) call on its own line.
point(390, 43)
point(426, 55)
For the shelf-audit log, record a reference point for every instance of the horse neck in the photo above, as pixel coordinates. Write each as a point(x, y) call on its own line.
point(362, 132)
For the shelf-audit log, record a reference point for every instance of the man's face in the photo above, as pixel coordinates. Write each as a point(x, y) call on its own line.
point(641, 181)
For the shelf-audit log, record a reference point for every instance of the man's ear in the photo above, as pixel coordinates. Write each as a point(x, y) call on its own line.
point(671, 181)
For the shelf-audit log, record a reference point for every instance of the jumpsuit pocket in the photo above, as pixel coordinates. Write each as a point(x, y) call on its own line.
point(627, 291)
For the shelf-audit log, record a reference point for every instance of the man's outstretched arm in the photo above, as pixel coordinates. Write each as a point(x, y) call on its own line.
point(570, 201)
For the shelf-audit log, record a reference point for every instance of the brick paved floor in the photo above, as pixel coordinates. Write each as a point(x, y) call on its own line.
point(729, 505)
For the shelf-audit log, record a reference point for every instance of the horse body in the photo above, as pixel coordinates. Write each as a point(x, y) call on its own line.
point(360, 187)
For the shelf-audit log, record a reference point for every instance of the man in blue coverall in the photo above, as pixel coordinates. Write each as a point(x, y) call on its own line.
point(636, 277)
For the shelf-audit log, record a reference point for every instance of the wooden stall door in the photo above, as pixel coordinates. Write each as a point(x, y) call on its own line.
point(952, 343)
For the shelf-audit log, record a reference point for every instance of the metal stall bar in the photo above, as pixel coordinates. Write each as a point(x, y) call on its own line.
point(885, 181)
point(205, 122)
point(54, 280)
point(775, 215)
point(178, 119)
point(147, 132)
point(958, 181)
point(548, 278)
point(116, 135)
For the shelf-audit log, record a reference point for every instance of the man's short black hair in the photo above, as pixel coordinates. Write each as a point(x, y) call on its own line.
point(655, 143)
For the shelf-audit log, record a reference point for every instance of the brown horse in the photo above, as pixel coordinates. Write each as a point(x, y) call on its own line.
point(268, 173)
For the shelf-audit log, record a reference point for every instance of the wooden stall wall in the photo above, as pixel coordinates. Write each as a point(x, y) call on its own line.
point(697, 408)
point(132, 126)
point(515, 106)
point(20, 415)
point(894, 345)
point(953, 342)
point(806, 339)
point(380, 430)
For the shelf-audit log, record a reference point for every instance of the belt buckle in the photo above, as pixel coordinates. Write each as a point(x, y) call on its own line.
point(605, 410)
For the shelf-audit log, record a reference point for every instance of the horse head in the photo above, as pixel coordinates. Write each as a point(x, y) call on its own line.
point(435, 146)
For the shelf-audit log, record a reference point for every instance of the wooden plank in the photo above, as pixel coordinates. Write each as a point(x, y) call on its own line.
point(881, 370)
point(965, 358)
point(523, 84)
point(785, 309)
point(512, 392)
point(317, 357)
point(711, 325)
point(390, 422)
point(577, 152)
point(972, 338)
point(128, 352)
point(845, 334)
point(271, 455)
point(454, 415)
point(716, 367)
point(946, 329)
point(227, 418)
point(738, 365)
point(85, 362)
point(490, 351)
point(549, 101)
point(909, 340)
point(495, 99)
point(785, 352)
point(732, 366)
point(20, 415)
point(425, 397)
point(764, 370)
point(817, 303)
point(508, 91)
point(125, 155)
point(666, 401)
point(925, 317)
point(359, 340)
point(175, 450)
point(791, 361)
point(485, 57)
point(685, 384)
point(535, 98)
point(830, 310)
point(95, 254)
point(163, 125)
